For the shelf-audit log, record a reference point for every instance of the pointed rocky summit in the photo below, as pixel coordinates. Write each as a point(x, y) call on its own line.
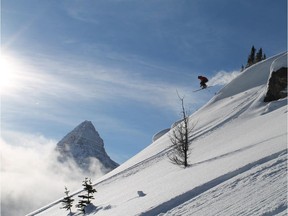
point(83, 144)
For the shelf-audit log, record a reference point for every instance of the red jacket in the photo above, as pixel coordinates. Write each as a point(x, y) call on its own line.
point(203, 79)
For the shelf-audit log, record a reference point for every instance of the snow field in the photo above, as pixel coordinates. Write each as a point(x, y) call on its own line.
point(261, 190)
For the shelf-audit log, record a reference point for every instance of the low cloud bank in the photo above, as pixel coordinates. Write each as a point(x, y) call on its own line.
point(31, 176)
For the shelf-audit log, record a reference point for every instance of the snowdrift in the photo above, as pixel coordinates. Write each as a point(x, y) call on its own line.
point(238, 162)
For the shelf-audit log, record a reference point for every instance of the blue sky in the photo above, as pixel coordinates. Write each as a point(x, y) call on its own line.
point(118, 63)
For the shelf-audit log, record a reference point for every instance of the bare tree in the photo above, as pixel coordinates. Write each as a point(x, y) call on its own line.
point(181, 139)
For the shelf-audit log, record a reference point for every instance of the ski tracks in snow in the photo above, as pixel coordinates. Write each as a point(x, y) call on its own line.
point(261, 181)
point(244, 102)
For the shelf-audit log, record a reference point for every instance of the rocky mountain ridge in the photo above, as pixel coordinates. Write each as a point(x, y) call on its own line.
point(85, 147)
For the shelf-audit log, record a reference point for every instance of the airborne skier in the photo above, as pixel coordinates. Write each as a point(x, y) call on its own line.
point(203, 82)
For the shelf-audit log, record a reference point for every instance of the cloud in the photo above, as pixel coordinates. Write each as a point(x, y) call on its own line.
point(31, 177)
point(45, 83)
point(223, 77)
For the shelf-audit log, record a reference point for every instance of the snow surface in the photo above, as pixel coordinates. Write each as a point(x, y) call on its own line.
point(238, 161)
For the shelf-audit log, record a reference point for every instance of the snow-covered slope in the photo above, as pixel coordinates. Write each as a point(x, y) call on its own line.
point(85, 146)
point(238, 161)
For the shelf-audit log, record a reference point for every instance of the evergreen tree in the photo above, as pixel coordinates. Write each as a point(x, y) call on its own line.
point(86, 199)
point(67, 201)
point(251, 57)
point(259, 55)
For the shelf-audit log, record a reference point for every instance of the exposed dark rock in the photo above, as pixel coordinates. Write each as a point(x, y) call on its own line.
point(277, 87)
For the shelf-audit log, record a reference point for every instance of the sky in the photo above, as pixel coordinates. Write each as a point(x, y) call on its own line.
point(120, 64)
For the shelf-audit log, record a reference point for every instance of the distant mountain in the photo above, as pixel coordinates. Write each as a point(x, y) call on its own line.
point(84, 145)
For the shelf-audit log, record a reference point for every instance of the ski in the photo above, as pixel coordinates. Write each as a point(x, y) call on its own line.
point(201, 89)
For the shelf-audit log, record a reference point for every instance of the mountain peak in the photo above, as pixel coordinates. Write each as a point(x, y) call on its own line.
point(87, 130)
point(86, 122)
point(83, 145)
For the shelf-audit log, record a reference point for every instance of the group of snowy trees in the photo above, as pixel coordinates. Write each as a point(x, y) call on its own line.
point(254, 57)
point(84, 200)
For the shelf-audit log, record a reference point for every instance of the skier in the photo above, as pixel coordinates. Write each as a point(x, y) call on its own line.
point(203, 82)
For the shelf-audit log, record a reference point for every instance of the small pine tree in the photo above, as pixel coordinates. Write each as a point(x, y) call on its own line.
point(86, 199)
point(67, 201)
point(251, 57)
point(259, 55)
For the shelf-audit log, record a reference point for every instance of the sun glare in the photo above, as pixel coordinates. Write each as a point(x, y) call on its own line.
point(8, 73)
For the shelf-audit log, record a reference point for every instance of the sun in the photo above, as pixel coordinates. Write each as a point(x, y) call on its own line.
point(8, 73)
